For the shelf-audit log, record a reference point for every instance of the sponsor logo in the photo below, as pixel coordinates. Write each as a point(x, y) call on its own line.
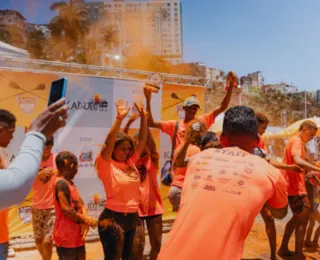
point(27, 104)
point(86, 156)
point(208, 178)
point(94, 104)
point(194, 185)
point(196, 177)
point(25, 215)
point(224, 180)
point(209, 188)
point(233, 192)
point(241, 182)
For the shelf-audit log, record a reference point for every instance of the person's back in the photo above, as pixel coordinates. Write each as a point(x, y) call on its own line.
point(224, 191)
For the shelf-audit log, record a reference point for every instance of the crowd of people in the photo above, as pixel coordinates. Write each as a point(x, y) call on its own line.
point(218, 185)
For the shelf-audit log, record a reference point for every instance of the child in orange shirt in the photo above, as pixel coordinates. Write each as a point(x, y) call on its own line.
point(72, 221)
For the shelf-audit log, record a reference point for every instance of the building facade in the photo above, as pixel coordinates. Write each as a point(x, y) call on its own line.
point(13, 22)
point(282, 88)
point(254, 79)
point(154, 25)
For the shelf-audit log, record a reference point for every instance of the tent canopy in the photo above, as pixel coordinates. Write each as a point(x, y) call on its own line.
point(9, 50)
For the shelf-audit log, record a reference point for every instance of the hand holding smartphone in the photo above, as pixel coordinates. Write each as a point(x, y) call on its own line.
point(58, 90)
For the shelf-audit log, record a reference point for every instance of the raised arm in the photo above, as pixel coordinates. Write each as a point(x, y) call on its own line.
point(133, 117)
point(122, 112)
point(180, 160)
point(143, 133)
point(151, 122)
point(153, 149)
point(232, 79)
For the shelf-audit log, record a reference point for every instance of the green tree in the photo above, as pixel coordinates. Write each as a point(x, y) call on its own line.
point(71, 27)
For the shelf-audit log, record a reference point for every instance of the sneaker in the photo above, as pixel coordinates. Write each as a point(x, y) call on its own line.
point(11, 252)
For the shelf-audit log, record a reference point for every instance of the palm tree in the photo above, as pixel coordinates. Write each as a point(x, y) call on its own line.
point(69, 26)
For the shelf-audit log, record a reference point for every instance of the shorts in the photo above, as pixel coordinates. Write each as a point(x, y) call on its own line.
point(298, 202)
point(78, 253)
point(175, 197)
point(151, 217)
point(43, 222)
point(4, 251)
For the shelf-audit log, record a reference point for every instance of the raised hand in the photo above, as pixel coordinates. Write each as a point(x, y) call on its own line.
point(51, 119)
point(147, 92)
point(134, 116)
point(232, 79)
point(139, 108)
point(122, 108)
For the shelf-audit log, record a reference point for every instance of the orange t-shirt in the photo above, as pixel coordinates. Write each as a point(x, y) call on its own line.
point(151, 201)
point(296, 182)
point(180, 173)
point(66, 232)
point(261, 144)
point(169, 126)
point(43, 189)
point(4, 213)
point(121, 183)
point(224, 190)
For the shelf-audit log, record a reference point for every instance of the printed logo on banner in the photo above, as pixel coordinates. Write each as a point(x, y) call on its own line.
point(27, 104)
point(86, 157)
point(25, 214)
point(94, 104)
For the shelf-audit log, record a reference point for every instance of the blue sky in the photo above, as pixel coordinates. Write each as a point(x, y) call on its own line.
point(279, 37)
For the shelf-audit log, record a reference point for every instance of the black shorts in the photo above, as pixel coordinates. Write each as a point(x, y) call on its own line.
point(151, 217)
point(78, 253)
point(298, 202)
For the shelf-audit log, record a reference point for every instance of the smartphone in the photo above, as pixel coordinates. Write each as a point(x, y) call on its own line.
point(58, 90)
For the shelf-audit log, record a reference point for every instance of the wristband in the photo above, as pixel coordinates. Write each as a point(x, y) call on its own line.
point(120, 117)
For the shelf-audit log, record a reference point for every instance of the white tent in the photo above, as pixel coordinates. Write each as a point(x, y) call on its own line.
point(11, 51)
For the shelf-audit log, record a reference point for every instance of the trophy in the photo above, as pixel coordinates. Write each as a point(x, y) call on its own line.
point(153, 83)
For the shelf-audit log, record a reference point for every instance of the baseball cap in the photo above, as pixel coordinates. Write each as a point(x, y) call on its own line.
point(191, 101)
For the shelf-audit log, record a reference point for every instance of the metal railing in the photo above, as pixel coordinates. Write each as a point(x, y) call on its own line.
point(23, 64)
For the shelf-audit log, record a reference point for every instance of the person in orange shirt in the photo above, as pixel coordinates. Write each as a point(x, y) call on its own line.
point(7, 128)
point(191, 107)
point(116, 167)
point(189, 147)
point(151, 206)
point(236, 184)
point(295, 153)
point(42, 203)
point(263, 122)
point(72, 222)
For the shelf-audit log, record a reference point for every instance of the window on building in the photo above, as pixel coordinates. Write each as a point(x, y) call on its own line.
point(176, 9)
point(175, 4)
point(168, 4)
